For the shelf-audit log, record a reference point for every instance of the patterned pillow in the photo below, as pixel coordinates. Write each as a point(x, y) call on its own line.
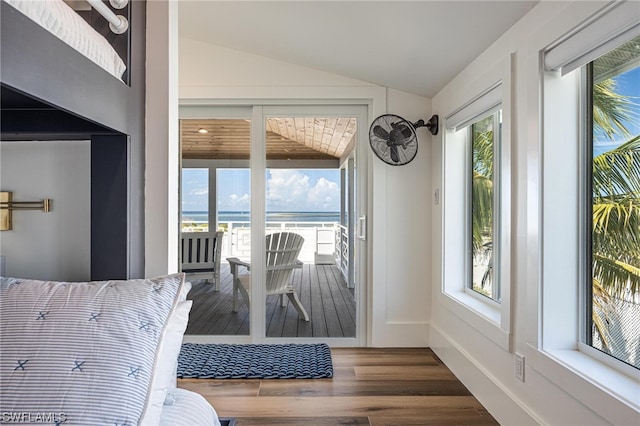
point(81, 353)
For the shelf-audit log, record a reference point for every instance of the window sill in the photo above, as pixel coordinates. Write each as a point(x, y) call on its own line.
point(612, 394)
point(478, 314)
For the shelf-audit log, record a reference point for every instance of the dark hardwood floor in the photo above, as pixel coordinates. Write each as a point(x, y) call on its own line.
point(322, 291)
point(390, 386)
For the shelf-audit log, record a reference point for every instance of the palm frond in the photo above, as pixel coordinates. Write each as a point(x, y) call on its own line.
point(483, 152)
point(617, 172)
point(611, 110)
point(482, 185)
point(616, 227)
point(619, 279)
point(481, 211)
point(616, 219)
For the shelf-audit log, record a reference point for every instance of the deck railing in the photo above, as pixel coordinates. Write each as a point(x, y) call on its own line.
point(342, 251)
point(319, 238)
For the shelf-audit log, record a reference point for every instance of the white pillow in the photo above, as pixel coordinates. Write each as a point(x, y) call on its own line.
point(190, 409)
point(164, 376)
point(85, 350)
point(184, 291)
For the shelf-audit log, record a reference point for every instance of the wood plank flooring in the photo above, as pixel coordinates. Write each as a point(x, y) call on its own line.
point(371, 386)
point(322, 291)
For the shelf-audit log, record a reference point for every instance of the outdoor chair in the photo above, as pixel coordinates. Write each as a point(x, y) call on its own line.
point(201, 253)
point(282, 250)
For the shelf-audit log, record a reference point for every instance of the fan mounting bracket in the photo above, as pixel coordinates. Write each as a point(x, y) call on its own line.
point(431, 124)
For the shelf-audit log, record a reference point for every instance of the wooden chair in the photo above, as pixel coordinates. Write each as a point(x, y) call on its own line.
point(283, 249)
point(200, 254)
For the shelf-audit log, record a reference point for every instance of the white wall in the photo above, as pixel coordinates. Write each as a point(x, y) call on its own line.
point(161, 140)
point(206, 65)
point(402, 238)
point(54, 245)
point(398, 284)
point(552, 393)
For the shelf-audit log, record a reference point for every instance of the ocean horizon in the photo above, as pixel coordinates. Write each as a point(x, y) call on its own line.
point(244, 216)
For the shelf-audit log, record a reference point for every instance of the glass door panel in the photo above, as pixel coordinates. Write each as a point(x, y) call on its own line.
point(306, 195)
point(216, 223)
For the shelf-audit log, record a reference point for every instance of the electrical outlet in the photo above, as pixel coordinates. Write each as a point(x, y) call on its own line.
point(519, 367)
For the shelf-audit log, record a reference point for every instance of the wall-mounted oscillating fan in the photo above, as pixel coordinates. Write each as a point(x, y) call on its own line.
point(393, 139)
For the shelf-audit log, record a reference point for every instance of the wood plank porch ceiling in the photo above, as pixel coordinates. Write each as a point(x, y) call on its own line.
point(287, 138)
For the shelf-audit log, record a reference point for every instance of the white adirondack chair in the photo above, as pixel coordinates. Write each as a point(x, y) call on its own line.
point(282, 253)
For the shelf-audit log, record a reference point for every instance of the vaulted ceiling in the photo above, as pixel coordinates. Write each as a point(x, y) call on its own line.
point(412, 46)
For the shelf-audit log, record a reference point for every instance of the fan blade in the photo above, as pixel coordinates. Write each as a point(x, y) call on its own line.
point(394, 153)
point(380, 132)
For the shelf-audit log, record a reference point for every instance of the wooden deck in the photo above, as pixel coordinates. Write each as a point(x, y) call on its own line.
point(321, 288)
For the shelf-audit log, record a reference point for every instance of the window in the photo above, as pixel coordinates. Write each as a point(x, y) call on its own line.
point(589, 199)
point(476, 207)
point(483, 223)
point(612, 203)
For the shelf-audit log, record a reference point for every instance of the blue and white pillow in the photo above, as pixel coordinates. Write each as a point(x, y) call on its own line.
point(82, 353)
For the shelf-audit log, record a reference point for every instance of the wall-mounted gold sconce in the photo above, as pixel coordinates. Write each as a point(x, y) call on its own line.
point(7, 206)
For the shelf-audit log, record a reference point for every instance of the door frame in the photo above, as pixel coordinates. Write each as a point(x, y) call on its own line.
point(258, 250)
point(228, 102)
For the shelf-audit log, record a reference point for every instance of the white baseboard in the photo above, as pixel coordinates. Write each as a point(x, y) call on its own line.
point(501, 404)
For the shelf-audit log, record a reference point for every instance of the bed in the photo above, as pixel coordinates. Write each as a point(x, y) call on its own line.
point(63, 22)
point(96, 353)
point(67, 76)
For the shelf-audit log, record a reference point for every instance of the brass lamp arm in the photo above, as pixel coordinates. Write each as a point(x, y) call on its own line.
point(7, 206)
point(44, 205)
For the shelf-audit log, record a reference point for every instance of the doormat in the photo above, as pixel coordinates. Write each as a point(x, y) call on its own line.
point(235, 361)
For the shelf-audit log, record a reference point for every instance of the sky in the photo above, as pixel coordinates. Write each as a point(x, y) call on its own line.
point(288, 190)
point(629, 84)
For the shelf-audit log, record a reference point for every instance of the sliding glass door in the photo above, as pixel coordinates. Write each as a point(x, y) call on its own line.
point(216, 203)
point(282, 187)
point(309, 297)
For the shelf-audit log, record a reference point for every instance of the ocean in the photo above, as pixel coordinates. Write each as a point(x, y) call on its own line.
point(243, 216)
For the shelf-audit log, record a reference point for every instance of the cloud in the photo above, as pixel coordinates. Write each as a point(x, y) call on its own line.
point(199, 192)
point(196, 199)
point(294, 190)
point(325, 195)
point(239, 202)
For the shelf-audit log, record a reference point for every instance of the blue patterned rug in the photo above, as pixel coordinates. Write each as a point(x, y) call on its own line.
point(224, 361)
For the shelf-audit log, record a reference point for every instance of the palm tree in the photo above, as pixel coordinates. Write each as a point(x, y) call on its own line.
point(482, 200)
point(616, 217)
point(615, 232)
point(616, 212)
